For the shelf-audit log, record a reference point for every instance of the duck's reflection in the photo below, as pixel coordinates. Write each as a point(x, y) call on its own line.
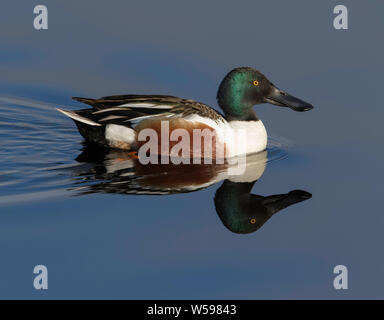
point(116, 171)
point(243, 212)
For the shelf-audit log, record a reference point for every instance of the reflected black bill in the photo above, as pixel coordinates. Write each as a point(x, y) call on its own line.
point(278, 202)
point(280, 98)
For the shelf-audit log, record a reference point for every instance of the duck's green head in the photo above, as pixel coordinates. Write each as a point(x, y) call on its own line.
point(244, 87)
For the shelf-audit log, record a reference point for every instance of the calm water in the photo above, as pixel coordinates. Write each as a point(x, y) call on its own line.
point(107, 228)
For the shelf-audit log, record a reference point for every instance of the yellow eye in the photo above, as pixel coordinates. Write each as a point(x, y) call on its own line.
point(255, 83)
point(252, 221)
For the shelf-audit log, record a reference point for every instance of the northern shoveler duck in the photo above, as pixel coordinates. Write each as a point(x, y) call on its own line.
point(116, 121)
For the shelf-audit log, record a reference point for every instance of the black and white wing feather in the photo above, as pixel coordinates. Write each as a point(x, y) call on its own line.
point(129, 109)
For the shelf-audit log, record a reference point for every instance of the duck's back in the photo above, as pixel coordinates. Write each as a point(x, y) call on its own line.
point(116, 121)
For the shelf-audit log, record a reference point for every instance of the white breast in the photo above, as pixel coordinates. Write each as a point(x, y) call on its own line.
point(245, 137)
point(240, 137)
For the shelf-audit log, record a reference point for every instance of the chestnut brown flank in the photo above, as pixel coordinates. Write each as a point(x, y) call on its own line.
point(189, 126)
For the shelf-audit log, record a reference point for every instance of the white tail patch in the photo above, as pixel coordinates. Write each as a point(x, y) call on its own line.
point(77, 117)
point(117, 133)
